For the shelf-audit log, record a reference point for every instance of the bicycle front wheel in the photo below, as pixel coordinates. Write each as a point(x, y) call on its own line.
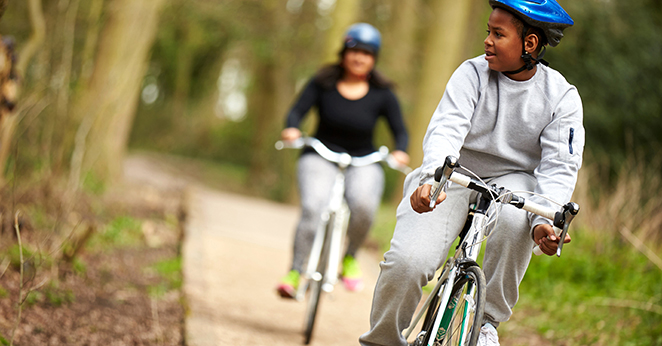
point(463, 315)
point(315, 289)
point(315, 284)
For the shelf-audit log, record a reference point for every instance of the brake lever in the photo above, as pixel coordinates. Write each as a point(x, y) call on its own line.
point(570, 210)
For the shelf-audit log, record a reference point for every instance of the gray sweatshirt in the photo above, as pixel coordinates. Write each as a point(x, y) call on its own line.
point(496, 125)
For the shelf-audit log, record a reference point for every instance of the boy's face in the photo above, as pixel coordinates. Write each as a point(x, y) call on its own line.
point(503, 44)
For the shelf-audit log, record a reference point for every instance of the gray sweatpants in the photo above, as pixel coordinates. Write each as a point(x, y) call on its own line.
point(363, 192)
point(420, 245)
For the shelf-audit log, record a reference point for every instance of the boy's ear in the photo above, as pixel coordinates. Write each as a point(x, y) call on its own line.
point(531, 43)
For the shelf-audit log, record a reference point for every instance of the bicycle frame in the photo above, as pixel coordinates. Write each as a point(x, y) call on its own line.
point(466, 253)
point(338, 214)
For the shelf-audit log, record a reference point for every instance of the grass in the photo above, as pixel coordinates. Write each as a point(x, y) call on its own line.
point(600, 292)
point(123, 231)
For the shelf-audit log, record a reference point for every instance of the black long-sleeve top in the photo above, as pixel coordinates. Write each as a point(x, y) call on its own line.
point(348, 125)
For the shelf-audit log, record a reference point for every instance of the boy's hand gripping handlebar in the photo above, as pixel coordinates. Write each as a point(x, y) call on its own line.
point(441, 176)
point(562, 221)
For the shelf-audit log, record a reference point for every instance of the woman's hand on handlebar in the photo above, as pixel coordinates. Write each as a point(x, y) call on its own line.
point(401, 157)
point(544, 236)
point(290, 134)
point(420, 199)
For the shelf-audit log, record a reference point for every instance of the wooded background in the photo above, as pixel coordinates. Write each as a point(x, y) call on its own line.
point(84, 82)
point(214, 79)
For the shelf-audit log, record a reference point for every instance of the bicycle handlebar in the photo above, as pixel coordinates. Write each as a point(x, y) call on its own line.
point(561, 218)
point(343, 159)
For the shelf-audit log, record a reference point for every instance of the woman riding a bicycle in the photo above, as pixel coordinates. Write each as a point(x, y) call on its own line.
point(350, 97)
point(513, 121)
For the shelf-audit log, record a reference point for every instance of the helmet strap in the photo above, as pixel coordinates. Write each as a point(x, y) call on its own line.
point(529, 60)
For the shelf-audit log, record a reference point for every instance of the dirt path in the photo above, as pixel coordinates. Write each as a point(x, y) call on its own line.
point(235, 250)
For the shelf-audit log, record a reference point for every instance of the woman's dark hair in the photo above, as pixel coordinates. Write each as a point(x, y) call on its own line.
point(329, 75)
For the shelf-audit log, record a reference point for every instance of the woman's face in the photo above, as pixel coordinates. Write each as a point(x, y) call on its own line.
point(358, 62)
point(503, 44)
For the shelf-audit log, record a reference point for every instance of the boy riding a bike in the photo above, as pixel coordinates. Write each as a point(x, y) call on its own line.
point(515, 122)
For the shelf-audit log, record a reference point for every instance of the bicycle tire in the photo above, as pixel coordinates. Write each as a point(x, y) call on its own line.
point(423, 337)
point(315, 286)
point(469, 277)
point(469, 283)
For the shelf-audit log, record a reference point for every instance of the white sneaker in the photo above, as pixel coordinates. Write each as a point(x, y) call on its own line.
point(488, 336)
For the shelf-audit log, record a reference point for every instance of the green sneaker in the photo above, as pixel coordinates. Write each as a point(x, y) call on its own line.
point(287, 288)
point(352, 277)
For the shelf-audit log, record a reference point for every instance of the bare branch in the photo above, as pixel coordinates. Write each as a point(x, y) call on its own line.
point(38, 33)
point(20, 283)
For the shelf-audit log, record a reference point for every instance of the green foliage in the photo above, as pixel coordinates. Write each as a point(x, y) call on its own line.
point(382, 228)
point(612, 54)
point(56, 296)
point(15, 255)
point(94, 183)
point(601, 291)
point(79, 266)
point(3, 292)
point(121, 232)
point(3, 341)
point(170, 271)
point(33, 298)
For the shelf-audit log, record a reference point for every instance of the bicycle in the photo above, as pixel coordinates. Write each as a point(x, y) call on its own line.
point(322, 270)
point(460, 290)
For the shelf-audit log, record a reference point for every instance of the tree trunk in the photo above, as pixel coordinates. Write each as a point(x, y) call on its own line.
point(7, 120)
point(91, 38)
point(63, 117)
point(398, 54)
point(109, 103)
point(271, 99)
point(344, 14)
point(443, 49)
point(400, 48)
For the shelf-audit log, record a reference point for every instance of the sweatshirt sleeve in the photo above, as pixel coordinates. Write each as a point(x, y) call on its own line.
point(451, 121)
point(562, 143)
point(307, 99)
point(394, 118)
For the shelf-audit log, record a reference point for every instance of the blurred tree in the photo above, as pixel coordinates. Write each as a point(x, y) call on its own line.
point(8, 123)
point(266, 108)
point(109, 102)
point(345, 13)
point(3, 6)
point(612, 54)
point(401, 46)
point(443, 50)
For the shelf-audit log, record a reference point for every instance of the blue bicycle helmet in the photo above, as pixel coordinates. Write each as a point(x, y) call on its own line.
point(363, 36)
point(547, 15)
